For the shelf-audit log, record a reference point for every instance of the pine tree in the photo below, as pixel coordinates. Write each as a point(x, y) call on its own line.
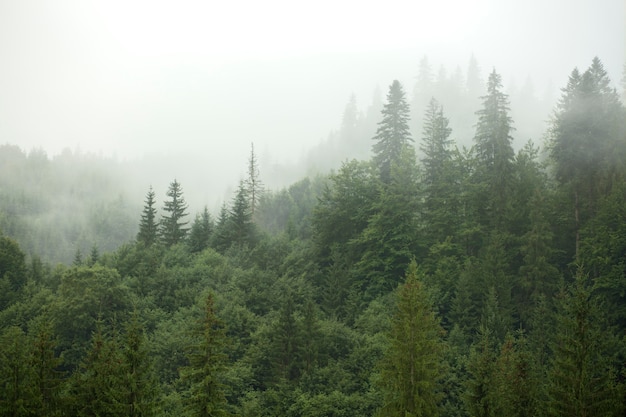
point(201, 232)
point(241, 228)
point(206, 365)
point(587, 142)
point(440, 194)
point(254, 185)
point(581, 379)
point(393, 134)
point(221, 239)
point(16, 390)
point(46, 378)
point(495, 152)
point(412, 365)
point(97, 388)
point(141, 394)
point(390, 239)
point(172, 224)
point(478, 398)
point(148, 227)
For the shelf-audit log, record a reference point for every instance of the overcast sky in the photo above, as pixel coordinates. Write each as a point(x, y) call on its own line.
point(209, 77)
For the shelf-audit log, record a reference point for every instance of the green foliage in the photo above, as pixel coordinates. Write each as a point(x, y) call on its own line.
point(12, 271)
point(393, 134)
point(201, 232)
point(582, 379)
point(206, 365)
point(172, 224)
point(412, 365)
point(148, 226)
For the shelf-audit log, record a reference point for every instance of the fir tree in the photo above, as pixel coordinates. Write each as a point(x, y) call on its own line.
point(206, 365)
point(241, 228)
point(393, 134)
point(412, 366)
point(201, 232)
point(172, 224)
point(148, 227)
point(46, 378)
point(581, 380)
point(494, 150)
point(254, 186)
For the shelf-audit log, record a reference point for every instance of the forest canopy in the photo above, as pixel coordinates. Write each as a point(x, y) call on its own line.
point(420, 278)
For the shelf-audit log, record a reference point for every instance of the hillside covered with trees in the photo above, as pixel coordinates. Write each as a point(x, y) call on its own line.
point(429, 279)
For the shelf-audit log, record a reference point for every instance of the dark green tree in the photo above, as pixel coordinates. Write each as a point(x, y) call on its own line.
point(495, 152)
point(141, 387)
point(201, 232)
point(478, 398)
point(241, 229)
point(16, 389)
point(581, 379)
point(98, 386)
point(438, 180)
point(46, 378)
point(412, 366)
point(393, 134)
point(207, 363)
point(254, 185)
point(587, 142)
point(390, 239)
point(12, 271)
point(173, 228)
point(221, 239)
point(148, 227)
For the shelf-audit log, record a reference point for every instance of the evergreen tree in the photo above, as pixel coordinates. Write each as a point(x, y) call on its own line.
point(221, 239)
point(148, 227)
point(241, 228)
point(479, 396)
point(207, 361)
point(13, 271)
point(172, 224)
point(412, 366)
point(98, 387)
point(201, 232)
point(495, 152)
point(438, 175)
point(587, 141)
point(393, 134)
point(390, 239)
point(46, 378)
point(581, 381)
point(16, 389)
point(254, 186)
point(141, 395)
point(287, 343)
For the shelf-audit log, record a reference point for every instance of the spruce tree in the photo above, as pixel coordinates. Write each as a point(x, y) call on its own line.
point(495, 152)
point(16, 388)
point(587, 142)
point(241, 229)
point(438, 175)
point(254, 185)
point(581, 380)
point(207, 362)
point(148, 227)
point(172, 223)
point(412, 365)
point(46, 377)
point(393, 134)
point(201, 232)
point(141, 387)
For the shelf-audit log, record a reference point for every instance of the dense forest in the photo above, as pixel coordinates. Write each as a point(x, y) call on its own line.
point(425, 278)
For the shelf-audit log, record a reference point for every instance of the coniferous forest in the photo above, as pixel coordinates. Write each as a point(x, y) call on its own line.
point(426, 279)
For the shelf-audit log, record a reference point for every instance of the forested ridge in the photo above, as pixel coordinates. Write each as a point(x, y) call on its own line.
point(430, 279)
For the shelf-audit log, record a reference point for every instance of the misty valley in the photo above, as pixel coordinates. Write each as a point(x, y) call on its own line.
point(443, 253)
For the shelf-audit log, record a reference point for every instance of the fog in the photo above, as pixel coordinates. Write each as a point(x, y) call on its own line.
point(184, 87)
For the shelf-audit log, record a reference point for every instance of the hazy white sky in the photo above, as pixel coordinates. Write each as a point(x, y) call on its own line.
point(208, 77)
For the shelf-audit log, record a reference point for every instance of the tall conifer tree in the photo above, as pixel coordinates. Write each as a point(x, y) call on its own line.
point(173, 228)
point(412, 366)
point(148, 227)
point(393, 134)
